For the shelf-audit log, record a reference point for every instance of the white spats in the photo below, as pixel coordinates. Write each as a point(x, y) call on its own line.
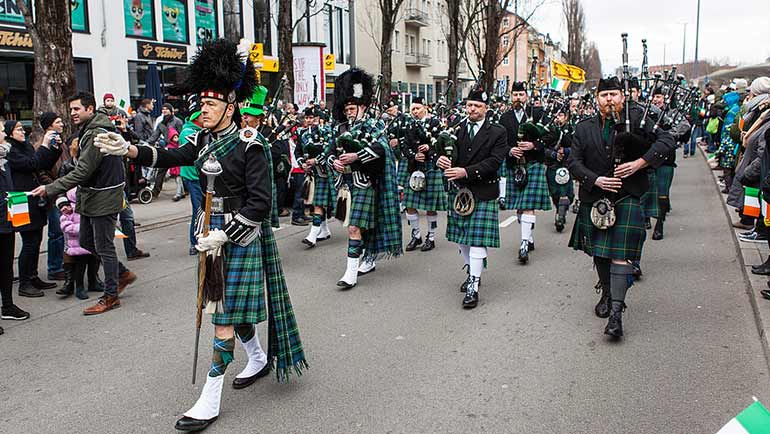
point(527, 222)
point(312, 237)
point(432, 225)
point(414, 223)
point(477, 256)
point(257, 357)
point(207, 406)
point(324, 232)
point(350, 278)
point(465, 252)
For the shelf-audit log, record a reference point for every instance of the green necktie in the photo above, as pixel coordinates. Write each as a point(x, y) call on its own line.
point(473, 130)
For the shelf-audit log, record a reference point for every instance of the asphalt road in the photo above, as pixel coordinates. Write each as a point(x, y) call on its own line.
point(398, 354)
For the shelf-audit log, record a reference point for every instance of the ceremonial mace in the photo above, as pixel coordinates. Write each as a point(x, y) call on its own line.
point(211, 168)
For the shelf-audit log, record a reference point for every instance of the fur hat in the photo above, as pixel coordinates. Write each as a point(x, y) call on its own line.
point(221, 70)
point(354, 86)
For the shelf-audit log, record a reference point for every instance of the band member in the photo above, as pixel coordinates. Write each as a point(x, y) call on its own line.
point(472, 220)
point(399, 128)
point(557, 148)
point(313, 142)
point(425, 189)
point(610, 225)
point(526, 185)
point(366, 181)
point(241, 236)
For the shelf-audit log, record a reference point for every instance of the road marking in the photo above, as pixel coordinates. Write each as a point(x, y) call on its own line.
point(507, 222)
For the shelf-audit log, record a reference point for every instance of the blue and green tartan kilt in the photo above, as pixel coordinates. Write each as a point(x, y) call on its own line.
point(665, 176)
point(725, 152)
point(649, 199)
point(480, 229)
point(624, 240)
point(363, 207)
point(559, 190)
point(325, 194)
point(402, 173)
point(534, 196)
point(244, 295)
point(433, 198)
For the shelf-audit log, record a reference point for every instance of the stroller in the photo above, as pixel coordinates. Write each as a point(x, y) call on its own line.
point(138, 185)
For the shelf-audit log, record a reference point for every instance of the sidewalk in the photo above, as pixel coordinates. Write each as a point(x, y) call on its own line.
point(750, 254)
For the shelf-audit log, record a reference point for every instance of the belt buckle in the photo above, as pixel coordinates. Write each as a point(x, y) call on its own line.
point(218, 204)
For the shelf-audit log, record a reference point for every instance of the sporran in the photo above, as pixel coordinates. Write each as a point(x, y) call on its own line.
point(342, 210)
point(603, 214)
point(417, 181)
point(562, 176)
point(464, 203)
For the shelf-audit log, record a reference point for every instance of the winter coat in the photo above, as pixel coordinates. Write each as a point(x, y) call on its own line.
point(25, 163)
point(161, 131)
point(6, 185)
point(749, 169)
point(70, 226)
point(143, 124)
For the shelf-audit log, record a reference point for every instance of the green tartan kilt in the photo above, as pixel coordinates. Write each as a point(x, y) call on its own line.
point(433, 198)
point(534, 196)
point(325, 193)
point(402, 173)
point(480, 229)
point(665, 175)
point(363, 207)
point(624, 240)
point(559, 190)
point(649, 199)
point(244, 295)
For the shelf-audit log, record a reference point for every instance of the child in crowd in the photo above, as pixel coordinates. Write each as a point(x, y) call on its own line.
point(173, 143)
point(76, 258)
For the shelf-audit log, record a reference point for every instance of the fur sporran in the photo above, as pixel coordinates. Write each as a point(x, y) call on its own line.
point(342, 210)
point(520, 177)
point(308, 190)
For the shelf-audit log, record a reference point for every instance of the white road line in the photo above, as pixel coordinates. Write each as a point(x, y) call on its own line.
point(507, 222)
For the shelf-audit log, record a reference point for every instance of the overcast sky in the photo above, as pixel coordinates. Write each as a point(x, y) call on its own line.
point(738, 30)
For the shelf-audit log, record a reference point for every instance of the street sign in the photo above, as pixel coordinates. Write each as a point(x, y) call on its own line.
point(256, 53)
point(329, 62)
point(270, 65)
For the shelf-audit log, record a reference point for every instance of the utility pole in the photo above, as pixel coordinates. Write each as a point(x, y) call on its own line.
point(515, 41)
point(684, 42)
point(697, 30)
point(664, 54)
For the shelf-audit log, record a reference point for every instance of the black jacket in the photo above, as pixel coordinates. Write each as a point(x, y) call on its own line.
point(590, 157)
point(25, 164)
point(481, 158)
point(6, 185)
point(511, 124)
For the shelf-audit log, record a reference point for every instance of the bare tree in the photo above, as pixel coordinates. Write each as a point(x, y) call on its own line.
point(592, 63)
point(576, 30)
point(54, 71)
point(388, 12)
point(461, 15)
point(285, 53)
point(231, 14)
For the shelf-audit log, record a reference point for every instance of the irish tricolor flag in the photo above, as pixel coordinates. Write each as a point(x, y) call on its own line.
point(18, 208)
point(751, 202)
point(559, 84)
point(754, 420)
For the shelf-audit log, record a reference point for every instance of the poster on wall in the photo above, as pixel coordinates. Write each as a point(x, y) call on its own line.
point(10, 12)
point(79, 15)
point(174, 20)
point(308, 75)
point(205, 20)
point(139, 20)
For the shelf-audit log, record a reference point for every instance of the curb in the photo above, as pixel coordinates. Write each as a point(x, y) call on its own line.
point(749, 254)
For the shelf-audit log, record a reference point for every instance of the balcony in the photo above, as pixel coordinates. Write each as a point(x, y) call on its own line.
point(417, 60)
point(416, 17)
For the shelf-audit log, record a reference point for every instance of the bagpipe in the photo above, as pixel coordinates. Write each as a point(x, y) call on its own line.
point(531, 131)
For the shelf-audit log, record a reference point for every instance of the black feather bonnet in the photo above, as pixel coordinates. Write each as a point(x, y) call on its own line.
point(219, 71)
point(354, 86)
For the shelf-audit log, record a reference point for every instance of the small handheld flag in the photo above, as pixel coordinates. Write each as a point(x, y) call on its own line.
point(18, 208)
point(755, 419)
point(751, 202)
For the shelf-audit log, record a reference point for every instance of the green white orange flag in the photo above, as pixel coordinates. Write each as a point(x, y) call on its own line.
point(751, 202)
point(754, 420)
point(559, 84)
point(18, 208)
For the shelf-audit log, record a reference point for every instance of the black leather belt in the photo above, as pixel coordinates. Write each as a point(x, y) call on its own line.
point(222, 205)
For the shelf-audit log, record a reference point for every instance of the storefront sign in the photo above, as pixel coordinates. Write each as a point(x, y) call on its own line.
point(79, 15)
point(174, 20)
point(10, 12)
point(205, 20)
point(139, 16)
point(161, 52)
point(15, 39)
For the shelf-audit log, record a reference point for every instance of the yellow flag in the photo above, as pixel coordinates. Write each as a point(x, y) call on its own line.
point(567, 72)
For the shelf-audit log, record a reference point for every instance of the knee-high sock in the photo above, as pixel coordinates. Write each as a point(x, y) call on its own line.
point(527, 222)
point(432, 225)
point(249, 338)
point(465, 251)
point(477, 254)
point(317, 219)
point(222, 356)
point(414, 222)
point(603, 269)
point(619, 281)
point(355, 248)
point(245, 332)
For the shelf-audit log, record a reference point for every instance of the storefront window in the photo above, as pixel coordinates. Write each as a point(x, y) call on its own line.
point(79, 15)
point(139, 17)
point(233, 19)
point(205, 20)
point(263, 26)
point(174, 19)
point(170, 76)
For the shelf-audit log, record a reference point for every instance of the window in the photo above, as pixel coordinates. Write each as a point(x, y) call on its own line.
point(505, 41)
point(506, 22)
point(206, 27)
point(263, 25)
point(422, 91)
point(505, 61)
point(429, 94)
point(231, 13)
point(139, 17)
point(413, 89)
point(411, 44)
point(79, 16)
point(396, 41)
point(174, 21)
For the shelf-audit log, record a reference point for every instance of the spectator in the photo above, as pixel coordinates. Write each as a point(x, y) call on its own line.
point(160, 138)
point(99, 179)
point(9, 310)
point(111, 110)
point(143, 124)
point(26, 163)
point(50, 121)
point(77, 258)
point(173, 143)
point(126, 216)
point(189, 174)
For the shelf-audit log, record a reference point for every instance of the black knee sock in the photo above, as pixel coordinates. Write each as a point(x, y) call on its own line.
point(245, 332)
point(619, 280)
point(355, 248)
point(603, 270)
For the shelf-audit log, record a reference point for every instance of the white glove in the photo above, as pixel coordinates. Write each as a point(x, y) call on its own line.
point(111, 144)
point(213, 241)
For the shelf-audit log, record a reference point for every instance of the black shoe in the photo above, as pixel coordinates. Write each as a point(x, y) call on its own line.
point(242, 383)
point(637, 273)
point(13, 312)
point(501, 202)
point(530, 245)
point(68, 288)
point(138, 254)
point(428, 245)
point(413, 244)
point(39, 284)
point(471, 298)
point(647, 224)
point(193, 251)
point(615, 324)
point(765, 293)
point(59, 275)
point(657, 233)
point(2, 331)
point(192, 425)
point(764, 264)
point(762, 270)
point(464, 286)
point(27, 290)
point(524, 252)
point(176, 198)
point(301, 222)
point(602, 308)
point(560, 222)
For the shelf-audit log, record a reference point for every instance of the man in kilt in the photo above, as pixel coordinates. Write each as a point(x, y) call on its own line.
point(557, 148)
point(399, 128)
point(366, 180)
point(241, 245)
point(481, 148)
point(313, 143)
point(526, 154)
point(420, 162)
point(609, 166)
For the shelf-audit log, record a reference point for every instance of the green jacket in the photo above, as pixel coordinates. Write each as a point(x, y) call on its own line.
point(99, 178)
point(189, 129)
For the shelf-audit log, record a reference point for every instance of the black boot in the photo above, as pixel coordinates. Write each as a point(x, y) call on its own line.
point(464, 286)
point(602, 308)
point(524, 252)
point(78, 276)
point(413, 244)
point(647, 224)
point(657, 233)
point(69, 284)
point(471, 298)
point(615, 324)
